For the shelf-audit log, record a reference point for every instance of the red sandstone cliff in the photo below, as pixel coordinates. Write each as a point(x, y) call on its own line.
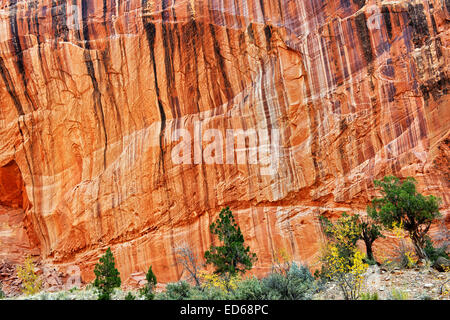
point(91, 93)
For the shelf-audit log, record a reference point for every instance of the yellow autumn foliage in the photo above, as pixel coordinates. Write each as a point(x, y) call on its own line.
point(31, 284)
point(212, 280)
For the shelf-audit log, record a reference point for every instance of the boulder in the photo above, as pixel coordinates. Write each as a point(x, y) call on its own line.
point(442, 264)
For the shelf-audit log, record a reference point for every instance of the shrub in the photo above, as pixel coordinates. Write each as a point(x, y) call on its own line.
point(148, 290)
point(404, 252)
point(250, 289)
point(282, 262)
point(348, 273)
point(341, 260)
point(209, 293)
point(397, 294)
point(233, 256)
point(297, 284)
point(2, 294)
point(343, 234)
point(177, 291)
point(434, 253)
point(219, 282)
point(130, 296)
point(369, 296)
point(107, 276)
point(402, 204)
point(31, 284)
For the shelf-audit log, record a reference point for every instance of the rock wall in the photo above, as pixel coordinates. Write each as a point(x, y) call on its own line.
point(93, 95)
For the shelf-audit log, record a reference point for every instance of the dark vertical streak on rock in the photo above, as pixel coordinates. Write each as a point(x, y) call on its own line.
point(59, 20)
point(37, 223)
point(35, 20)
point(98, 108)
point(364, 37)
point(168, 45)
point(106, 55)
point(75, 17)
point(9, 87)
point(190, 32)
point(18, 50)
point(387, 20)
point(263, 10)
point(268, 34)
point(418, 22)
point(221, 62)
point(150, 31)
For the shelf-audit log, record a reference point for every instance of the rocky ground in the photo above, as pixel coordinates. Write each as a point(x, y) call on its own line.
point(411, 284)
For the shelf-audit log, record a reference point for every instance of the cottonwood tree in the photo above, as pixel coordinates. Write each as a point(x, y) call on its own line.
point(232, 257)
point(401, 204)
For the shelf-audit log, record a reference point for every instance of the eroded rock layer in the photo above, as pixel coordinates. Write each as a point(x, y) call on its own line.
point(92, 94)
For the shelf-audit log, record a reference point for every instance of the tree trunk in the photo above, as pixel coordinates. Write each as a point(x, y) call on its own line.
point(369, 251)
point(418, 243)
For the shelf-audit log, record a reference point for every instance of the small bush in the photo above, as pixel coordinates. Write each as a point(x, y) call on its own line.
point(209, 293)
point(348, 273)
point(369, 296)
point(176, 291)
point(31, 284)
point(221, 282)
point(130, 296)
point(404, 256)
point(370, 262)
point(148, 291)
point(297, 284)
point(434, 253)
point(397, 294)
point(250, 289)
point(2, 294)
point(406, 260)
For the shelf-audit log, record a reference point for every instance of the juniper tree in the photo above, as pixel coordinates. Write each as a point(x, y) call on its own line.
point(148, 290)
point(370, 231)
point(401, 204)
point(232, 257)
point(107, 276)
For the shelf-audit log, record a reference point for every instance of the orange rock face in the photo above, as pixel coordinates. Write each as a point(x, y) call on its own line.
point(94, 94)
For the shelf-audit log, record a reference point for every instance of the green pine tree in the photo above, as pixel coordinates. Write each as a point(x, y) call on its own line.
point(107, 276)
point(232, 257)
